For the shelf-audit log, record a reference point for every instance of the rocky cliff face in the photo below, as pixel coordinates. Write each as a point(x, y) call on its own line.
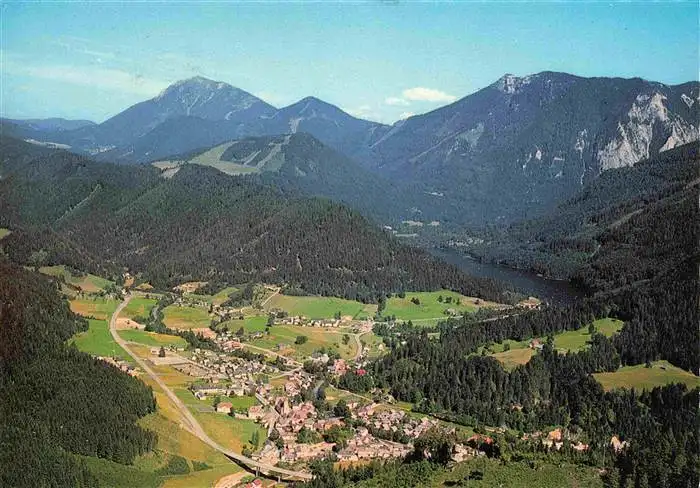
point(522, 144)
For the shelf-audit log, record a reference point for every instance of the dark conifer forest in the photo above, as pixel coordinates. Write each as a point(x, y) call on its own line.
point(56, 401)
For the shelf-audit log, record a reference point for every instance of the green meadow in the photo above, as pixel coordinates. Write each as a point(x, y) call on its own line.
point(429, 307)
point(88, 282)
point(640, 377)
point(185, 317)
point(315, 307)
point(152, 338)
point(98, 341)
point(138, 307)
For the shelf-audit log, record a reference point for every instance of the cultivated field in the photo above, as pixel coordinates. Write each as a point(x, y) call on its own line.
point(152, 338)
point(250, 324)
point(99, 308)
point(229, 431)
point(642, 378)
point(185, 317)
point(514, 358)
point(139, 307)
point(315, 307)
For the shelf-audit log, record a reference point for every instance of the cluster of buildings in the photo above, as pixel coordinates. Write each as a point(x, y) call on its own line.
point(365, 446)
point(121, 365)
point(555, 439)
point(392, 420)
point(296, 383)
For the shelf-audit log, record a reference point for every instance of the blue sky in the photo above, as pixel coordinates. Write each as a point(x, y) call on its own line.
point(376, 60)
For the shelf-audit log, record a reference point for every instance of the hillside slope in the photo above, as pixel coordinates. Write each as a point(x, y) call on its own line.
point(517, 147)
point(205, 225)
point(299, 164)
point(612, 207)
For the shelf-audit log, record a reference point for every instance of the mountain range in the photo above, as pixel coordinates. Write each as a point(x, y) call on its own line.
point(510, 151)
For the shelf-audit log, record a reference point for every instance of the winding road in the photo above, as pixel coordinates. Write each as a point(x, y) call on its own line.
point(189, 421)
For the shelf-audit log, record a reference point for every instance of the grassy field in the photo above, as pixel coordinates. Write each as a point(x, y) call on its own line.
point(250, 324)
point(88, 283)
point(4, 232)
point(315, 307)
point(114, 474)
point(576, 340)
point(520, 475)
point(571, 340)
point(317, 338)
point(138, 307)
point(98, 341)
point(430, 307)
point(99, 308)
point(229, 431)
point(185, 317)
point(514, 358)
point(373, 342)
point(152, 338)
point(222, 295)
point(640, 377)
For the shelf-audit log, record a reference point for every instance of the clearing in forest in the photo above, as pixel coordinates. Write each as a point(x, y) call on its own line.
point(88, 283)
point(642, 378)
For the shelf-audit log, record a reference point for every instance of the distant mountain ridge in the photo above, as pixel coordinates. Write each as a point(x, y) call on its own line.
point(518, 146)
point(510, 151)
point(198, 113)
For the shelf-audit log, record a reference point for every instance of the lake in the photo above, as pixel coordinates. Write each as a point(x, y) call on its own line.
point(552, 291)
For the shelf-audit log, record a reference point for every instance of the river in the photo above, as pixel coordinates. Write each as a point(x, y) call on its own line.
point(552, 291)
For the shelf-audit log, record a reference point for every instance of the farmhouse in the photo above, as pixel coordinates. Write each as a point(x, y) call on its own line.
point(224, 407)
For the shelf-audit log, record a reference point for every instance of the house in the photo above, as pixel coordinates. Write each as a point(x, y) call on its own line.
point(205, 332)
point(617, 444)
point(536, 344)
point(224, 407)
point(339, 367)
point(579, 447)
point(555, 435)
point(256, 412)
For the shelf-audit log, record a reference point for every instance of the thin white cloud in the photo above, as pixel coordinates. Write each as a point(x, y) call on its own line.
point(422, 94)
point(97, 77)
point(363, 112)
point(397, 101)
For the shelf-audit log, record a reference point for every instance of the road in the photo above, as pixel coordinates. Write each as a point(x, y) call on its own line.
point(189, 422)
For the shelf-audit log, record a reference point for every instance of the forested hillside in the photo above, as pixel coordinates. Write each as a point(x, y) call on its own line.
point(56, 401)
point(299, 164)
point(644, 272)
point(201, 224)
point(641, 205)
